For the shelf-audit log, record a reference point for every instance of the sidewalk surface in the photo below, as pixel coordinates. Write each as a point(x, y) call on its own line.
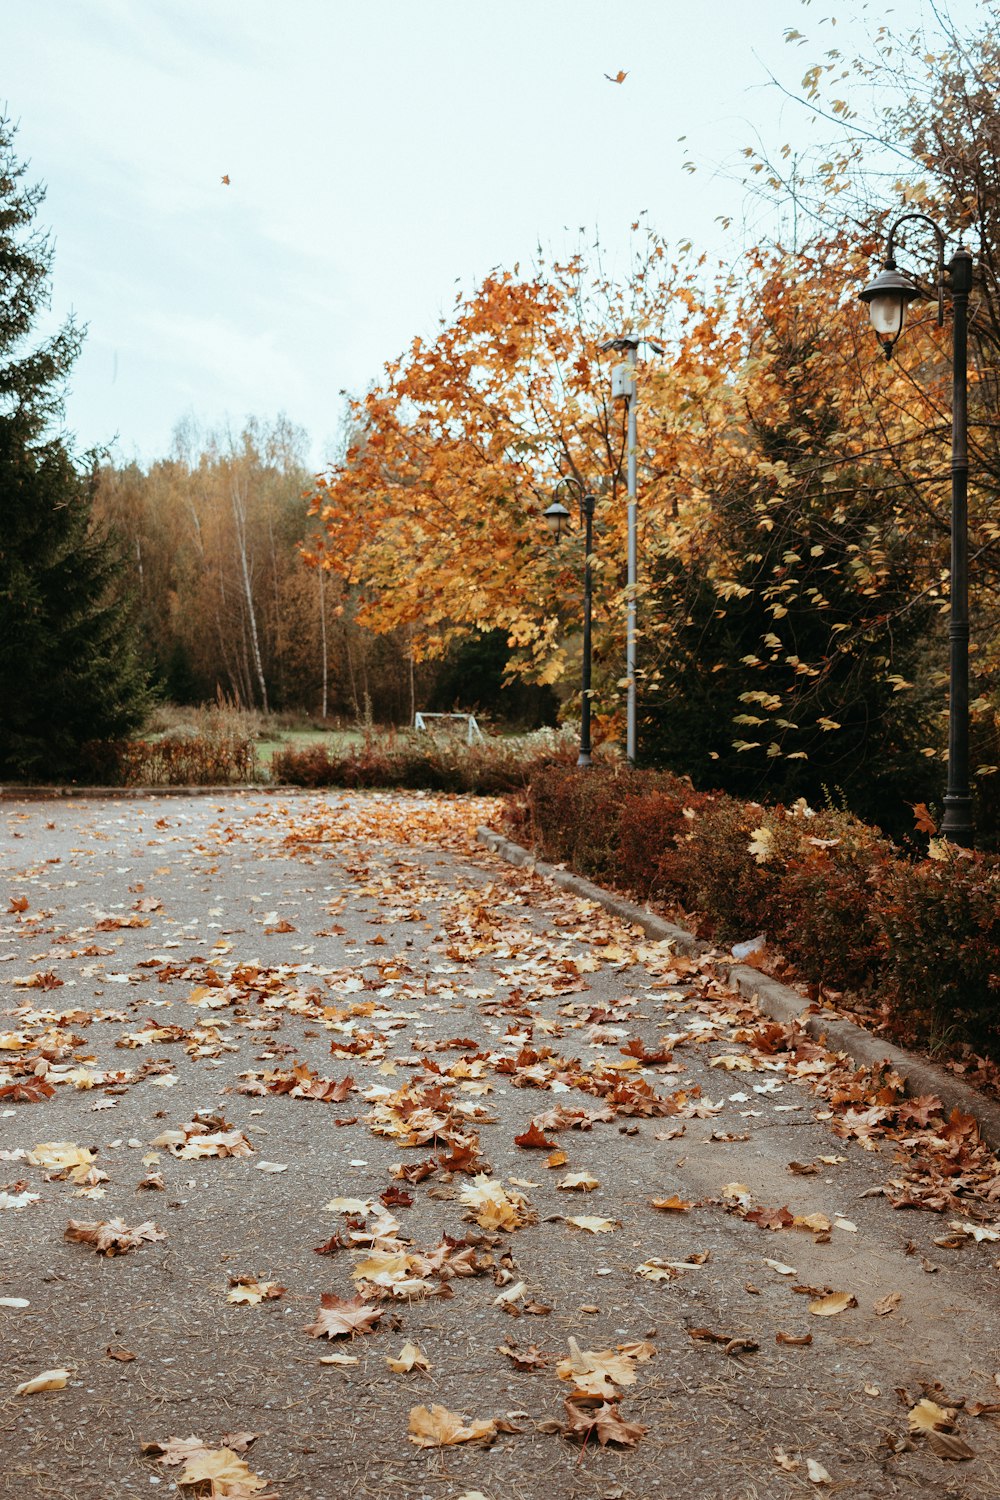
point(261, 1028)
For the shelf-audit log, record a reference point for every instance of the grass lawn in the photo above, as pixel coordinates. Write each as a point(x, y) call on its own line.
point(303, 739)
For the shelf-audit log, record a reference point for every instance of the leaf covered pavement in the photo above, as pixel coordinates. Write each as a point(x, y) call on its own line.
point(426, 1179)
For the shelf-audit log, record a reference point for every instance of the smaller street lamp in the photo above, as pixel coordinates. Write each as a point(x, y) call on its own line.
point(558, 520)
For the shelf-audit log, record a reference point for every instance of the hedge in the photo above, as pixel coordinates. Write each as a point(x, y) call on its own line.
point(433, 763)
point(914, 940)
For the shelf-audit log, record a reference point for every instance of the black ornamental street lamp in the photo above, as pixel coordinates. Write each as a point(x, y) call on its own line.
point(888, 298)
point(558, 518)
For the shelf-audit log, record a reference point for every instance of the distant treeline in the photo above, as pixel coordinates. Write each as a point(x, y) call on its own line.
point(212, 540)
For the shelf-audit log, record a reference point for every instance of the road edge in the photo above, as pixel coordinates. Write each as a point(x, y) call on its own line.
point(776, 1000)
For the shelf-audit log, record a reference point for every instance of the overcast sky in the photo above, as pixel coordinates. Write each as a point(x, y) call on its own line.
point(378, 151)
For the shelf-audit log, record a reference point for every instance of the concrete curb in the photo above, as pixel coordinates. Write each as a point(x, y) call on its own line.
point(776, 1000)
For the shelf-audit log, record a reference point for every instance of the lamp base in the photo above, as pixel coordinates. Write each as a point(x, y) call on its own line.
point(957, 825)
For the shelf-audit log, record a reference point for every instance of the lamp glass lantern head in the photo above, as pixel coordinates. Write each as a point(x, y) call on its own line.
point(557, 519)
point(888, 297)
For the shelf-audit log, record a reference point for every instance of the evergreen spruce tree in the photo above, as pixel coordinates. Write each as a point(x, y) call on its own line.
point(70, 670)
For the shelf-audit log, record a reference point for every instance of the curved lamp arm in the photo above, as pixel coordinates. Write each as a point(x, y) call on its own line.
point(939, 235)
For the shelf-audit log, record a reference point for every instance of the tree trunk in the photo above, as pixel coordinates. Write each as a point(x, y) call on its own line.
point(240, 519)
point(322, 635)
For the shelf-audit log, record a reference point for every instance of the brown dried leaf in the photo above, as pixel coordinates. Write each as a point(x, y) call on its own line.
point(112, 1236)
point(831, 1304)
point(947, 1445)
point(410, 1357)
point(927, 1416)
point(342, 1318)
point(603, 1422)
point(674, 1204)
point(437, 1427)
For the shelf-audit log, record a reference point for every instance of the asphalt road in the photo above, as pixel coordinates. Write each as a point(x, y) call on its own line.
point(164, 958)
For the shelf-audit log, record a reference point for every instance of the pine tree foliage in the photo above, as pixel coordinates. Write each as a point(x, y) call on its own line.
point(69, 667)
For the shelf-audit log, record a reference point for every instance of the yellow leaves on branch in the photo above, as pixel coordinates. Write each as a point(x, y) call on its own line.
point(436, 509)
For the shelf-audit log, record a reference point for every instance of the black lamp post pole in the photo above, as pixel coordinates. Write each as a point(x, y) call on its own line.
point(587, 506)
point(957, 823)
point(888, 297)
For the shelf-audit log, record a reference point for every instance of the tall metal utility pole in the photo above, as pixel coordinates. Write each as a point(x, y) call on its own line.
point(623, 388)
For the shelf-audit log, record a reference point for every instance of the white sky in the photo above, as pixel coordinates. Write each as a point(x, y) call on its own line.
point(378, 150)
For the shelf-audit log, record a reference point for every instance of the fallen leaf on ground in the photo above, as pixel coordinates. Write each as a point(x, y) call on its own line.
point(947, 1445)
point(62, 1159)
point(593, 1223)
point(815, 1223)
point(339, 1359)
point(437, 1427)
point(597, 1371)
point(112, 1236)
point(247, 1289)
point(49, 1380)
point(272, 1166)
point(656, 1270)
point(531, 1358)
point(493, 1207)
point(227, 1472)
point(798, 1340)
point(604, 1422)
point(581, 1182)
point(832, 1304)
point(410, 1357)
point(533, 1139)
point(779, 1267)
point(342, 1318)
point(886, 1305)
point(977, 1232)
point(113, 1351)
point(817, 1473)
point(674, 1204)
point(927, 1416)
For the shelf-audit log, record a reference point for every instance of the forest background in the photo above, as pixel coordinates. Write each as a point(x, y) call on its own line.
point(794, 495)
